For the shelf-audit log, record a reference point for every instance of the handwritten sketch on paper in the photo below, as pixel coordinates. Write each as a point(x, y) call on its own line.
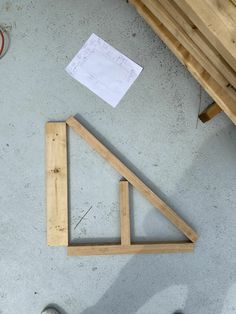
point(104, 70)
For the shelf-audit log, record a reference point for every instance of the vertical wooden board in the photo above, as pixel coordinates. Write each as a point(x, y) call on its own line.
point(124, 213)
point(56, 184)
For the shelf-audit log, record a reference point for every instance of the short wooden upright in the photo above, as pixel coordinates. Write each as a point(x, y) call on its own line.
point(124, 213)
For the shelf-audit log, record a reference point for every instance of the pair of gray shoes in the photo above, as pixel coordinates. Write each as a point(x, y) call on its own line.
point(50, 310)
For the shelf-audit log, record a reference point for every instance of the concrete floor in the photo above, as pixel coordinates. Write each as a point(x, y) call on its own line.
point(154, 129)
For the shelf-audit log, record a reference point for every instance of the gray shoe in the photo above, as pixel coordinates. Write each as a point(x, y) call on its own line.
point(50, 310)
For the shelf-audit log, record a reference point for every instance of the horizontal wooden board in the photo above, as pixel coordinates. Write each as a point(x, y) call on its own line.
point(155, 248)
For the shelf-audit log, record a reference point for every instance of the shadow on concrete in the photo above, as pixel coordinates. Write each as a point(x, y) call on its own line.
point(210, 271)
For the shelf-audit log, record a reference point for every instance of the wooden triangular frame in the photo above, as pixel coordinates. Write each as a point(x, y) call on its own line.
point(57, 198)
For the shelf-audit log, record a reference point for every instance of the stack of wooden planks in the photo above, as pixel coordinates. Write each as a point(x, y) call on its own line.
point(202, 35)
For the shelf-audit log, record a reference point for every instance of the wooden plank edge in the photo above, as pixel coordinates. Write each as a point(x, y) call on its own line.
point(211, 24)
point(86, 250)
point(185, 40)
point(220, 95)
point(157, 9)
point(195, 51)
point(200, 40)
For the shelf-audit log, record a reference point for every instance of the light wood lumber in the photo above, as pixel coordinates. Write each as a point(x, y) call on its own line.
point(220, 96)
point(201, 41)
point(234, 2)
point(79, 250)
point(132, 178)
point(165, 18)
point(216, 19)
point(124, 213)
point(56, 184)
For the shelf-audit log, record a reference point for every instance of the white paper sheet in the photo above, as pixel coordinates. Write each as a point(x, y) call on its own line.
point(104, 70)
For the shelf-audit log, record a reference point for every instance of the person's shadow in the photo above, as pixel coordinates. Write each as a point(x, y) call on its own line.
point(208, 188)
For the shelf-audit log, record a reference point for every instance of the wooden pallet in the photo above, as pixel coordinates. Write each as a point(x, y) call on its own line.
point(193, 49)
point(57, 199)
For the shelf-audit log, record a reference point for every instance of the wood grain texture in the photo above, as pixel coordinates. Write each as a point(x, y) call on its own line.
point(56, 184)
point(173, 27)
point(124, 213)
point(132, 178)
point(220, 95)
point(217, 20)
point(154, 248)
point(210, 112)
point(200, 40)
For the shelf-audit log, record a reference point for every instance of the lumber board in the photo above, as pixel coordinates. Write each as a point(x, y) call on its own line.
point(210, 112)
point(217, 20)
point(124, 213)
point(219, 94)
point(201, 41)
point(56, 184)
point(132, 178)
point(160, 12)
point(79, 250)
